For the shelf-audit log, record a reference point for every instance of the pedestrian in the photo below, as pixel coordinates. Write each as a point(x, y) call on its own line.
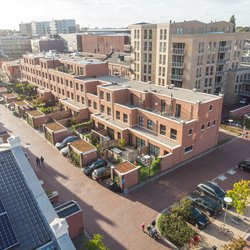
point(38, 162)
point(143, 227)
point(42, 161)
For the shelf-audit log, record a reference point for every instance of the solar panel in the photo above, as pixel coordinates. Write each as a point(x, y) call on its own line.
point(8, 238)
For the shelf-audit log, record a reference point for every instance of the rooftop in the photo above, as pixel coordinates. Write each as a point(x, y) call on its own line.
point(82, 145)
point(125, 167)
point(120, 58)
point(73, 105)
point(22, 103)
point(55, 126)
point(3, 89)
point(35, 113)
point(10, 95)
point(177, 93)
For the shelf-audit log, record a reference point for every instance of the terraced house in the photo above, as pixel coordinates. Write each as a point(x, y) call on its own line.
point(174, 123)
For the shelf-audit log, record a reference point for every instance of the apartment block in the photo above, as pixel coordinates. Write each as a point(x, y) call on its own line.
point(170, 122)
point(189, 54)
point(14, 46)
point(64, 26)
point(46, 44)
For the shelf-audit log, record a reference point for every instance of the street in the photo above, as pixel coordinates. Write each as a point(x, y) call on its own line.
point(115, 216)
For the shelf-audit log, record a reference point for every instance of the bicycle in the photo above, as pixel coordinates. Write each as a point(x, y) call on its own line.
point(226, 231)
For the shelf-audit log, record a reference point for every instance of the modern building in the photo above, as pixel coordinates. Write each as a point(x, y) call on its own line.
point(40, 28)
point(64, 26)
point(189, 54)
point(14, 46)
point(104, 44)
point(47, 44)
point(170, 122)
point(27, 218)
point(25, 29)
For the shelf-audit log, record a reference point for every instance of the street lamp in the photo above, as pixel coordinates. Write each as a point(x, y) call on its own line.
point(227, 200)
point(230, 123)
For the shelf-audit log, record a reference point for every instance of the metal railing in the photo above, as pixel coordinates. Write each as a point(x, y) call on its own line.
point(178, 51)
point(176, 77)
point(177, 64)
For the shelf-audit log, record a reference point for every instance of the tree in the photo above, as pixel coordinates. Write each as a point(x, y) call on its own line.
point(96, 243)
point(236, 244)
point(233, 21)
point(240, 195)
point(182, 208)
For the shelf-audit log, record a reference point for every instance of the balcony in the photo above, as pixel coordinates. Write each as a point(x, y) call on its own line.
point(223, 49)
point(179, 65)
point(176, 77)
point(178, 51)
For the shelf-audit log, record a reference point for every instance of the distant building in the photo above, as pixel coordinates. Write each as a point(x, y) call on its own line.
point(104, 44)
point(40, 28)
point(45, 45)
point(14, 46)
point(64, 26)
point(106, 31)
point(27, 218)
point(25, 29)
point(70, 42)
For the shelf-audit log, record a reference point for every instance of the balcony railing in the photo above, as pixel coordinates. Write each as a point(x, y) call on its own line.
point(223, 49)
point(177, 51)
point(177, 65)
point(176, 77)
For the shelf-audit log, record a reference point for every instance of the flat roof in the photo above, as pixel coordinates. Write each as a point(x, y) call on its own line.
point(55, 126)
point(22, 103)
point(35, 113)
point(82, 145)
point(177, 93)
point(125, 167)
point(69, 102)
point(114, 58)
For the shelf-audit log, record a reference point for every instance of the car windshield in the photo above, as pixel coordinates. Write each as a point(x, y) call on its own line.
point(90, 166)
point(195, 213)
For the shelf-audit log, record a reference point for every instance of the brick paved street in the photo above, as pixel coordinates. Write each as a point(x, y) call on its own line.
point(117, 217)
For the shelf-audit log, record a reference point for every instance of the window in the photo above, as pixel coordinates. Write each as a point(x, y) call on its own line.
point(125, 118)
point(71, 84)
point(188, 149)
point(82, 100)
point(102, 108)
point(118, 115)
point(119, 136)
point(81, 88)
point(89, 103)
point(162, 129)
point(108, 111)
point(145, 32)
point(150, 124)
point(214, 122)
point(145, 46)
point(150, 46)
point(154, 150)
point(190, 131)
point(211, 107)
point(173, 134)
point(95, 105)
point(140, 143)
point(149, 34)
point(178, 110)
point(208, 124)
point(202, 126)
point(141, 120)
point(101, 95)
point(108, 97)
point(77, 86)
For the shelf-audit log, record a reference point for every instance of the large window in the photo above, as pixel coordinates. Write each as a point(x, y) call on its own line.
point(102, 95)
point(141, 120)
point(102, 108)
point(108, 97)
point(108, 111)
point(173, 134)
point(140, 143)
point(125, 118)
point(150, 124)
point(118, 115)
point(162, 129)
point(178, 110)
point(188, 149)
point(154, 150)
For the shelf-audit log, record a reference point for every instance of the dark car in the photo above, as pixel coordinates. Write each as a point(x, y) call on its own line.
point(197, 218)
point(205, 203)
point(213, 190)
point(244, 165)
point(101, 173)
point(89, 169)
point(113, 186)
point(68, 139)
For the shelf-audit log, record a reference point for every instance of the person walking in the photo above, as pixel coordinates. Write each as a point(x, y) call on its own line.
point(42, 161)
point(143, 227)
point(38, 164)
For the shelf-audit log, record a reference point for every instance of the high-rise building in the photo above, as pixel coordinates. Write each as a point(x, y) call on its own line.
point(189, 54)
point(40, 28)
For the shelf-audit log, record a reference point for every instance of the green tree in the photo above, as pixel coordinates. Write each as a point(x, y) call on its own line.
point(96, 243)
point(233, 21)
point(240, 195)
point(236, 244)
point(182, 208)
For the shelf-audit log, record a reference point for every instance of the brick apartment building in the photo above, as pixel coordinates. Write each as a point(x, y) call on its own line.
point(10, 71)
point(189, 54)
point(104, 44)
point(174, 123)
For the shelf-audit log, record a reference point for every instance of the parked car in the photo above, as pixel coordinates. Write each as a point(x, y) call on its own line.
point(244, 165)
point(71, 138)
point(208, 205)
point(213, 190)
point(94, 165)
point(101, 173)
point(197, 218)
point(64, 151)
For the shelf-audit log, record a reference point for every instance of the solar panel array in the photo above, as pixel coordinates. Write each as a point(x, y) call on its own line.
point(8, 237)
point(23, 212)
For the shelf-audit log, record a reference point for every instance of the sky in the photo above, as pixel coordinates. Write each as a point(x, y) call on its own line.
point(121, 13)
